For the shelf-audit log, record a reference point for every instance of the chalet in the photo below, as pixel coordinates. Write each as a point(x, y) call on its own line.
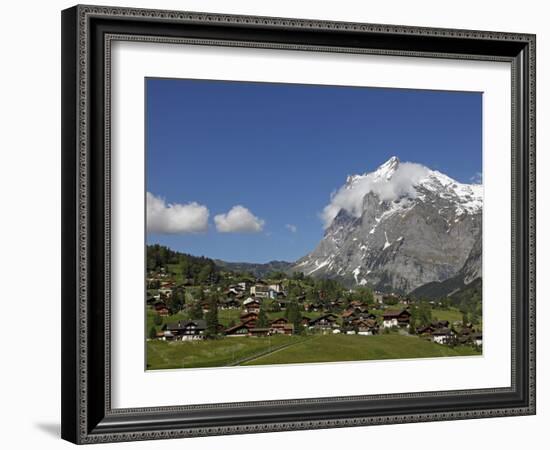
point(205, 305)
point(367, 316)
point(406, 301)
point(442, 336)
point(305, 321)
point(356, 320)
point(260, 290)
point(279, 323)
point(367, 327)
point(247, 316)
point(426, 330)
point(251, 305)
point(187, 330)
point(282, 326)
point(313, 307)
point(440, 324)
point(349, 313)
point(396, 319)
point(161, 309)
point(241, 329)
point(276, 287)
point(230, 303)
point(326, 322)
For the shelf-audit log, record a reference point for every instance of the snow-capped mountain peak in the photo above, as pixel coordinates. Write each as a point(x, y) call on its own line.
point(386, 170)
point(399, 226)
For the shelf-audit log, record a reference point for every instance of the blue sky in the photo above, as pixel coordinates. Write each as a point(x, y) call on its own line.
point(280, 150)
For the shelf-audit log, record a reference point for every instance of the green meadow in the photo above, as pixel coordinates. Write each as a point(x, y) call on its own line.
point(294, 350)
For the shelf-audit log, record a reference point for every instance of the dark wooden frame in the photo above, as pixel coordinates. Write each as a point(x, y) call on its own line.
point(87, 31)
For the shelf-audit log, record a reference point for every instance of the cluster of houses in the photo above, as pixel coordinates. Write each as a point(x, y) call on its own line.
point(440, 332)
point(260, 289)
point(336, 317)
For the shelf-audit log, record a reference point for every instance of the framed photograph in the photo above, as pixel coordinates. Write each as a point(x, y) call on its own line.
point(279, 224)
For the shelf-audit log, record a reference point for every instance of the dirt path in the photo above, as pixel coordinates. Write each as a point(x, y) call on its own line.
point(268, 352)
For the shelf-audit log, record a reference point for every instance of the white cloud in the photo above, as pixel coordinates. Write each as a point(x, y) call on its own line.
point(238, 220)
point(350, 196)
point(175, 218)
point(291, 228)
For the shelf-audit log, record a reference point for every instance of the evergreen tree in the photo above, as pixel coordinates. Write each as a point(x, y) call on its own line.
point(195, 312)
point(412, 325)
point(152, 333)
point(424, 314)
point(177, 301)
point(294, 316)
point(212, 317)
point(263, 321)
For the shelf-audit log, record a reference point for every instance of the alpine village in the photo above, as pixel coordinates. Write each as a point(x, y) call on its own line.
point(201, 313)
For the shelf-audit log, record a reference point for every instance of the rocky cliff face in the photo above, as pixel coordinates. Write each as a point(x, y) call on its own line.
point(398, 228)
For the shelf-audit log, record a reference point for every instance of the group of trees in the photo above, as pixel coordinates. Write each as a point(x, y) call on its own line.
point(197, 269)
point(468, 301)
point(421, 315)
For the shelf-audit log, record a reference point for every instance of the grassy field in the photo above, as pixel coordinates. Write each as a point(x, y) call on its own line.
point(293, 349)
point(451, 314)
point(211, 353)
point(327, 348)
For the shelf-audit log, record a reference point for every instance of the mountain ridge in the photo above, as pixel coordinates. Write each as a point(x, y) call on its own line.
point(398, 228)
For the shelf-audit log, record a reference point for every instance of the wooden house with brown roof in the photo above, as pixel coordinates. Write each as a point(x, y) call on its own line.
point(251, 305)
point(366, 327)
point(241, 329)
point(396, 318)
point(325, 322)
point(282, 326)
point(161, 309)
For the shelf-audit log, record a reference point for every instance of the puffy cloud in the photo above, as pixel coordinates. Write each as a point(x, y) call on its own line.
point(238, 220)
point(175, 218)
point(291, 228)
point(350, 196)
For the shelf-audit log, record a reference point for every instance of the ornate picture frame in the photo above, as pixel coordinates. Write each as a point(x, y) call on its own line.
point(87, 35)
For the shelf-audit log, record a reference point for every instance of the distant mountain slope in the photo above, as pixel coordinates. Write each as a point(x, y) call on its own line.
point(399, 228)
point(469, 293)
point(257, 269)
point(470, 272)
